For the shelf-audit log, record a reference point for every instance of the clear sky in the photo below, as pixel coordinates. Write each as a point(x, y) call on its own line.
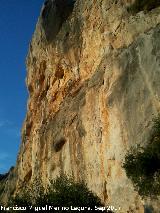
point(17, 23)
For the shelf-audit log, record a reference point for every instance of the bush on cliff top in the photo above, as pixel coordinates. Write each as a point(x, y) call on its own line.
point(142, 164)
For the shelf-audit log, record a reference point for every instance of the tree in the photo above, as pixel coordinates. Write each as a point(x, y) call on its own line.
point(142, 164)
point(63, 192)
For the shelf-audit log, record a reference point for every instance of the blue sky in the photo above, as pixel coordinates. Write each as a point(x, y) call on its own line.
point(17, 23)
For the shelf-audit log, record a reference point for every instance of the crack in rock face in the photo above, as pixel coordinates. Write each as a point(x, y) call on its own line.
point(59, 144)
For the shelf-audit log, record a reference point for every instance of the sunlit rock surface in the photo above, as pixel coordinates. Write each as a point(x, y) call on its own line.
point(93, 80)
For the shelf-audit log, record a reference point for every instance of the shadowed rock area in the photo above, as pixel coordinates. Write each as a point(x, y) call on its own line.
point(54, 14)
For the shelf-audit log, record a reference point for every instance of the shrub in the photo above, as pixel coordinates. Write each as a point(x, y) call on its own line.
point(3, 176)
point(147, 5)
point(63, 192)
point(142, 164)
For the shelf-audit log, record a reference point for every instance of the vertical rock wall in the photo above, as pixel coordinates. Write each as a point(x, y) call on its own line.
point(93, 81)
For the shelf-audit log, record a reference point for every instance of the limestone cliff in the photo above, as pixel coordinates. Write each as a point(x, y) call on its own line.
point(93, 80)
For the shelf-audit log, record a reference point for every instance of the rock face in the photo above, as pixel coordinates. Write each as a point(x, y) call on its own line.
point(93, 80)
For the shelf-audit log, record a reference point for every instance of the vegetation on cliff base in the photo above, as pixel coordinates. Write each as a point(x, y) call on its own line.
point(143, 5)
point(142, 164)
point(63, 192)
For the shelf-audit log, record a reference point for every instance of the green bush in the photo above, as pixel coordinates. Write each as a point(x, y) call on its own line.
point(142, 164)
point(146, 5)
point(63, 192)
